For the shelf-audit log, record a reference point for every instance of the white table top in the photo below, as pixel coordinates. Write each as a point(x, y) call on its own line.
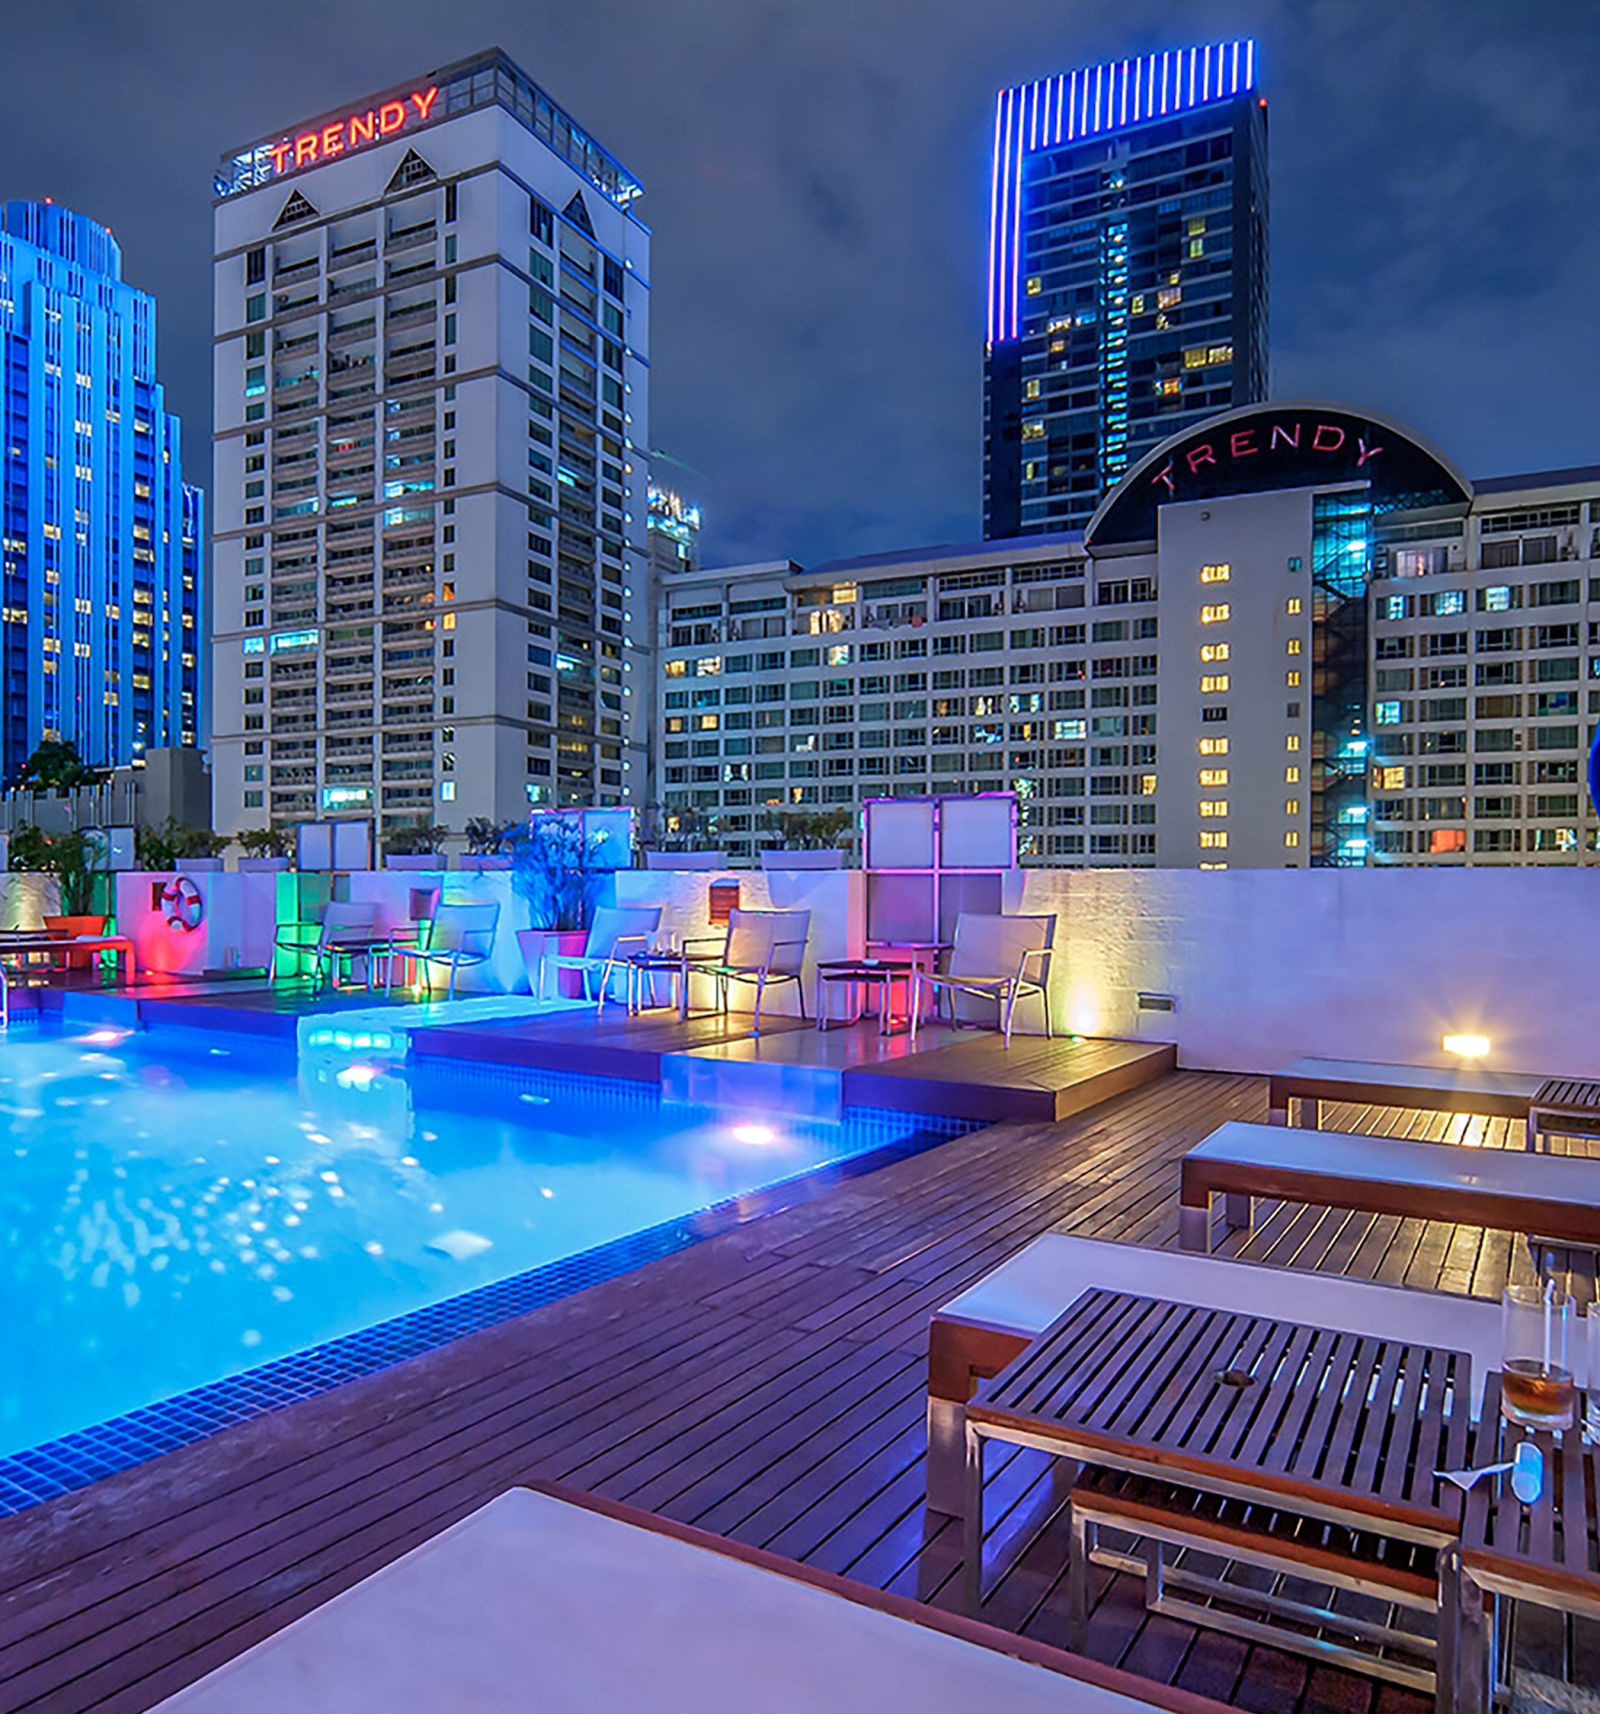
point(1447, 1079)
point(533, 1603)
point(1397, 1161)
point(1040, 1282)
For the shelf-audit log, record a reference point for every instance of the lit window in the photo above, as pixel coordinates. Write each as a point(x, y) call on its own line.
point(1213, 682)
point(1291, 806)
point(1291, 839)
point(1391, 779)
point(708, 666)
point(1293, 646)
point(447, 791)
point(1215, 573)
point(1213, 746)
point(1291, 776)
point(1292, 679)
point(1292, 605)
point(1030, 390)
point(1292, 742)
point(1213, 865)
point(676, 669)
point(1215, 613)
point(1394, 607)
point(1213, 651)
point(1035, 285)
point(1497, 600)
point(1213, 806)
point(1147, 785)
point(1167, 387)
point(1213, 839)
point(1386, 713)
point(1033, 431)
point(1213, 776)
point(1197, 226)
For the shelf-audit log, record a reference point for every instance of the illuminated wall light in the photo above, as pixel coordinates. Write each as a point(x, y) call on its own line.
point(1468, 1047)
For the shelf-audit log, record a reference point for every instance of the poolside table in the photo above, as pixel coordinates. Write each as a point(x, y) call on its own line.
point(864, 974)
point(569, 1605)
point(1546, 1553)
point(1225, 1403)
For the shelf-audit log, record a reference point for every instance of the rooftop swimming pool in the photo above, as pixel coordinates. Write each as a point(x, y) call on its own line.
point(192, 1239)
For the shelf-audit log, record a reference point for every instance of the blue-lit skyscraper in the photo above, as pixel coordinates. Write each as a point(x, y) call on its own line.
point(1127, 273)
point(101, 618)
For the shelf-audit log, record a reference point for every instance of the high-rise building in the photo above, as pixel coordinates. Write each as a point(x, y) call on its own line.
point(432, 312)
point(101, 624)
point(1127, 273)
point(1296, 635)
point(674, 532)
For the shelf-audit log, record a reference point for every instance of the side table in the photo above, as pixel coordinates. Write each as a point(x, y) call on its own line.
point(859, 976)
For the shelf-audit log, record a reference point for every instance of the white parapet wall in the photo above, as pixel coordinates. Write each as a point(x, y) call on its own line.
point(1267, 965)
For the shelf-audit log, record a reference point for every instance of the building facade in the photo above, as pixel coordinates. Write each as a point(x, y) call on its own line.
point(1296, 635)
point(432, 334)
point(102, 540)
point(1127, 274)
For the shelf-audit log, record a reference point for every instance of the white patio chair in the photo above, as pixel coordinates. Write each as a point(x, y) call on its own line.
point(760, 947)
point(345, 933)
point(617, 932)
point(999, 958)
point(461, 935)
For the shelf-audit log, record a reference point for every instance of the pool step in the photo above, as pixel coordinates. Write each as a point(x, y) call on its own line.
point(752, 1084)
point(90, 1009)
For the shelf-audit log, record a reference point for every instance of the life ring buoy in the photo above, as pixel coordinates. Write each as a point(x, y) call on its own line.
point(182, 905)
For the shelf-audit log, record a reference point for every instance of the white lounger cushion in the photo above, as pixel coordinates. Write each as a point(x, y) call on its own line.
point(533, 1603)
point(1039, 1283)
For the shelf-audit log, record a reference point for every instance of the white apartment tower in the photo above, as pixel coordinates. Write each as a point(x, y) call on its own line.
point(431, 378)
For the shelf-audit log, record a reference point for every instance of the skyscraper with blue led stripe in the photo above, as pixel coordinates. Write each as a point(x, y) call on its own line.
point(101, 537)
point(1127, 273)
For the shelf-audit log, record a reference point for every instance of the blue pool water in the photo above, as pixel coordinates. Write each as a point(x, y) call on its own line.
point(172, 1221)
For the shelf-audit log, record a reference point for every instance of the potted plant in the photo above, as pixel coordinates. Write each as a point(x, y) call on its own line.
point(415, 845)
point(171, 845)
point(265, 849)
point(70, 859)
point(553, 870)
point(486, 844)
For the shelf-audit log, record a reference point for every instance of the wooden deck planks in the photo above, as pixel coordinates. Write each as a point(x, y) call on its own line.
point(767, 1384)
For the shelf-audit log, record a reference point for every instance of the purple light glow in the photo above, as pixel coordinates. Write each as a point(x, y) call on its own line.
point(1085, 103)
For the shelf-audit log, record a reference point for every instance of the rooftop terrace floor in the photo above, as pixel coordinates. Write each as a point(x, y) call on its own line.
point(766, 1384)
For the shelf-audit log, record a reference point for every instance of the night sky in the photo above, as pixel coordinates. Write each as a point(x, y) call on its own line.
point(816, 180)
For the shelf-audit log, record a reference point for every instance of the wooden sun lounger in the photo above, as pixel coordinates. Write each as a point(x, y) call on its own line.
point(976, 1334)
point(1553, 1197)
point(561, 1602)
point(1307, 1083)
point(25, 946)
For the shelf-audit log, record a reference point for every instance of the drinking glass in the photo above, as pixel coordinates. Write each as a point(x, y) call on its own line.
point(1536, 1381)
point(1591, 1374)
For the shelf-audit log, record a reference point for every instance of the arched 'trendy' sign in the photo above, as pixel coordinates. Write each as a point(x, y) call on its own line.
point(1268, 447)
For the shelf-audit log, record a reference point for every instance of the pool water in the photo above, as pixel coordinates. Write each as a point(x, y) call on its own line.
point(172, 1221)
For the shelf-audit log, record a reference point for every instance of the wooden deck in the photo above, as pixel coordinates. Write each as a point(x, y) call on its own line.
point(966, 1074)
point(766, 1384)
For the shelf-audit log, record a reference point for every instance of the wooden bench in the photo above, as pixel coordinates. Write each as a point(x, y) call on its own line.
point(1168, 1520)
point(1556, 1197)
point(1430, 1088)
point(975, 1335)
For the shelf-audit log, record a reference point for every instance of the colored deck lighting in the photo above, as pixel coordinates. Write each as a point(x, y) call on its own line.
point(757, 1136)
point(357, 1077)
point(1468, 1047)
point(105, 1038)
